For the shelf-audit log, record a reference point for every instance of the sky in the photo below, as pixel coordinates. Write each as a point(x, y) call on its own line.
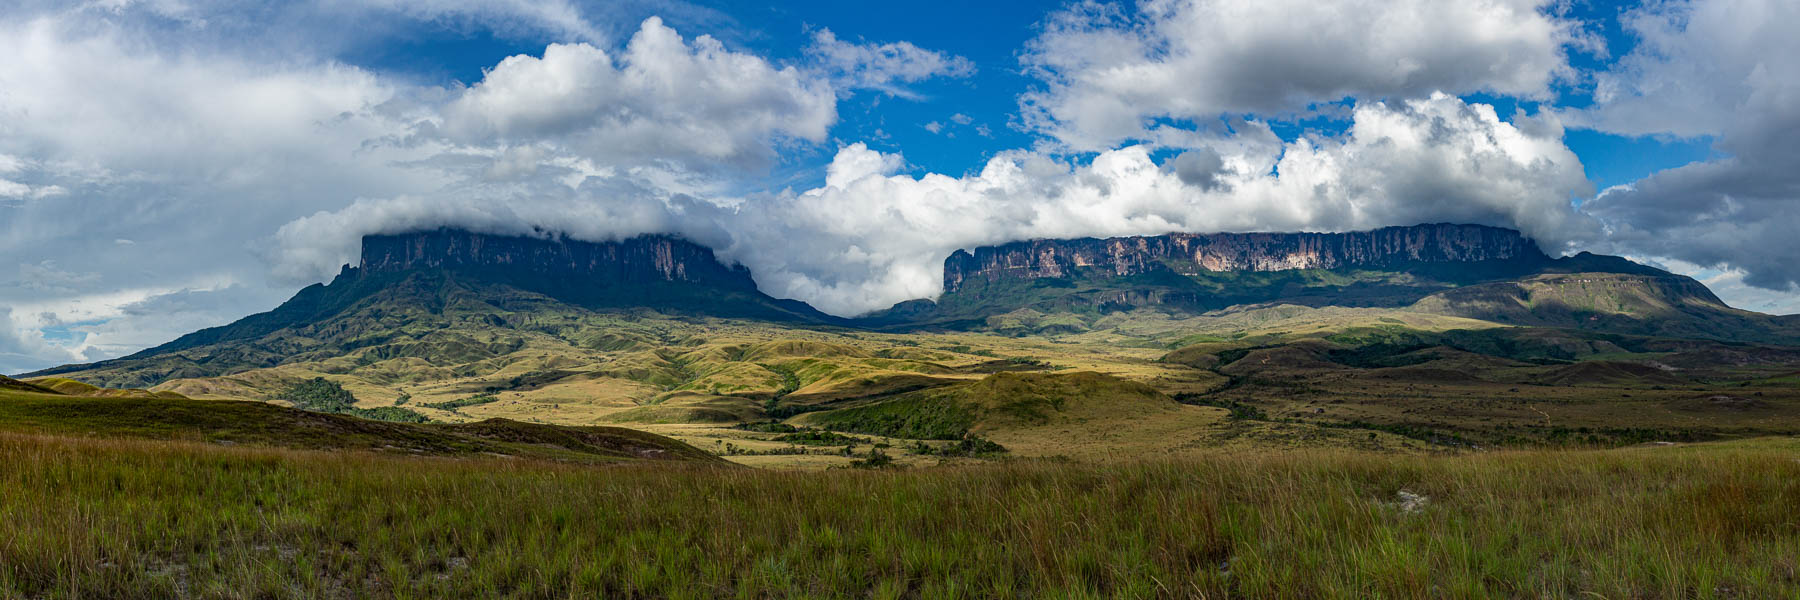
point(169, 165)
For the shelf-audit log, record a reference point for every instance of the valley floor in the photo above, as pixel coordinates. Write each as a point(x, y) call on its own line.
point(115, 518)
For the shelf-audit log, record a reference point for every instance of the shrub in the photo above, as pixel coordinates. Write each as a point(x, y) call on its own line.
point(321, 395)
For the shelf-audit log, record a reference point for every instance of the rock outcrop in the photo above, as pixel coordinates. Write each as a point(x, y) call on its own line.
point(1190, 254)
point(638, 260)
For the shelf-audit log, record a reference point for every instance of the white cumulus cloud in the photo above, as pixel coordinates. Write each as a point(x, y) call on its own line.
point(1109, 76)
point(885, 67)
point(662, 98)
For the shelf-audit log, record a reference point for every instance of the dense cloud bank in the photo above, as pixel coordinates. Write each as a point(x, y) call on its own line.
point(870, 238)
point(1726, 70)
point(169, 168)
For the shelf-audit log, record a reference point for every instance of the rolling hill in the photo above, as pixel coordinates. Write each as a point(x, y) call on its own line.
point(163, 416)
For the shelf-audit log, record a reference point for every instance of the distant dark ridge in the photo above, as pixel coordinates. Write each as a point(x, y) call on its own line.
point(1191, 253)
point(658, 272)
point(637, 260)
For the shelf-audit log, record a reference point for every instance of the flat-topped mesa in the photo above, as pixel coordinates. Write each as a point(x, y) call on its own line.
point(637, 260)
point(1190, 253)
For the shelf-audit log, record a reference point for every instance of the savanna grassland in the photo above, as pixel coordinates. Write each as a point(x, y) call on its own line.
point(444, 438)
point(116, 518)
point(1083, 385)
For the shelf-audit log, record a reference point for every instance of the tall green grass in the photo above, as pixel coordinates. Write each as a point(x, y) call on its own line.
point(139, 519)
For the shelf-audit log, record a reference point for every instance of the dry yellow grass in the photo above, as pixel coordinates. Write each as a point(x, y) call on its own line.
point(108, 518)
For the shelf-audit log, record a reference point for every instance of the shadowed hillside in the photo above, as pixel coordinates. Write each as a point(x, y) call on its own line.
point(255, 423)
point(14, 385)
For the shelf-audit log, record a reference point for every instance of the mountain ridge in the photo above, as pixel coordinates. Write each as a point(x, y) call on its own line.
point(632, 275)
point(1468, 271)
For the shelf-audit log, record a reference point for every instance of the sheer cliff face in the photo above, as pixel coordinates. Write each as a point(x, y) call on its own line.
point(642, 259)
point(1190, 254)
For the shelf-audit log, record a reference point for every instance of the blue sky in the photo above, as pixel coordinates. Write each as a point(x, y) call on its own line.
point(989, 34)
point(167, 165)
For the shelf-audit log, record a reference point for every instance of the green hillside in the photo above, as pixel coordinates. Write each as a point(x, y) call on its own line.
point(1660, 305)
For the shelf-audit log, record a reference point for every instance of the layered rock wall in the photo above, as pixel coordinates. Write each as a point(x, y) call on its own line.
point(1189, 253)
